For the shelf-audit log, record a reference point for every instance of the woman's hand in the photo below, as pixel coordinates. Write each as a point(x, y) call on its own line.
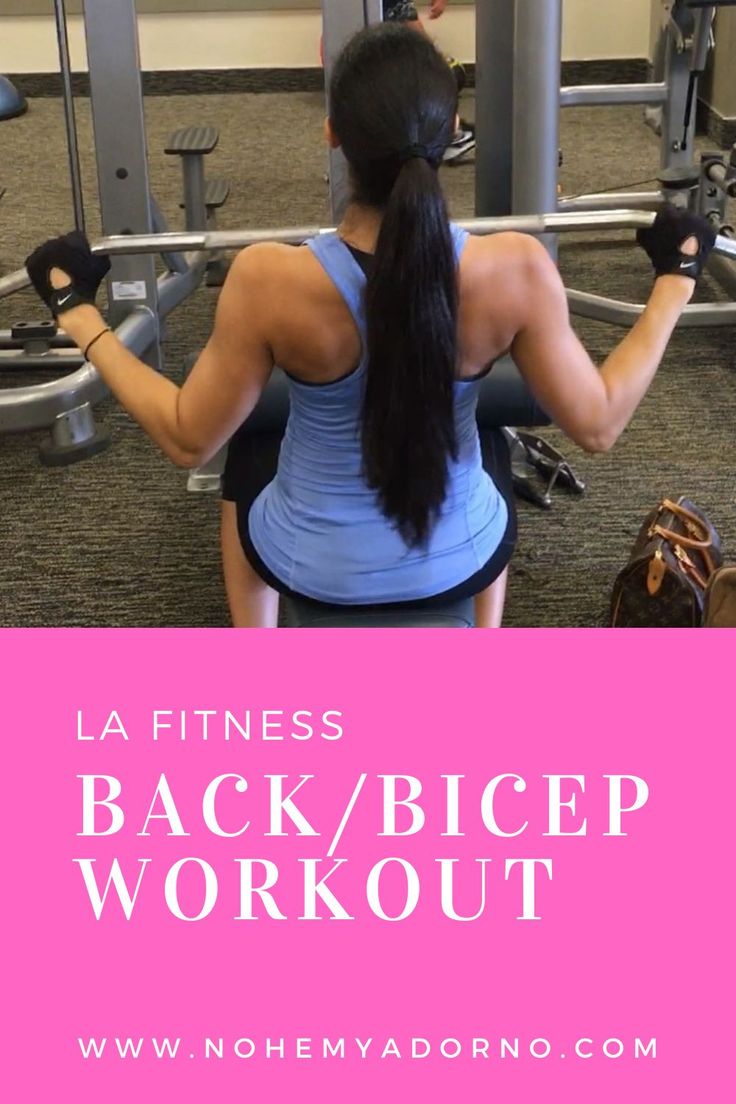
point(66, 274)
point(678, 244)
point(437, 8)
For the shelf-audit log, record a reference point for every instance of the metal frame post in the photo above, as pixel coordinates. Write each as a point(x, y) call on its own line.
point(122, 157)
point(373, 11)
point(536, 115)
point(678, 29)
point(62, 36)
point(195, 192)
point(494, 96)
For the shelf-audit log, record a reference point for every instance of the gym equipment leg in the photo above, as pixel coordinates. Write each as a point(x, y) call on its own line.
point(74, 437)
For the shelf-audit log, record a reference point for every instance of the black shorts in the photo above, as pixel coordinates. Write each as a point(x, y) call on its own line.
point(252, 460)
point(402, 11)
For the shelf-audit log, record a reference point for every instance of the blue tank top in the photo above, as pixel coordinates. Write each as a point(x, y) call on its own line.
point(319, 527)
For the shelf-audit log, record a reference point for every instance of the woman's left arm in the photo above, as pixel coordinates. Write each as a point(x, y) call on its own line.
point(190, 423)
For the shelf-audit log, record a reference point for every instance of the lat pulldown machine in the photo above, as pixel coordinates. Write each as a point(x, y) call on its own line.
point(139, 300)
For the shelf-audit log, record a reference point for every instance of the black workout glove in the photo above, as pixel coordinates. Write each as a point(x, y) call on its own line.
point(663, 242)
point(72, 255)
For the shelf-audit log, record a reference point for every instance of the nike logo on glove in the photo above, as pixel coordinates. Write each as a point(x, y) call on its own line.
point(66, 299)
point(692, 264)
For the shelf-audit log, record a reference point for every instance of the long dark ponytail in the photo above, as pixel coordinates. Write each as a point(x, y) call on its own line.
point(393, 106)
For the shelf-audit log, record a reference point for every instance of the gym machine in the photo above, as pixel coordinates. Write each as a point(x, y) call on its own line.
point(560, 222)
point(518, 141)
point(139, 300)
point(504, 395)
point(518, 98)
point(504, 399)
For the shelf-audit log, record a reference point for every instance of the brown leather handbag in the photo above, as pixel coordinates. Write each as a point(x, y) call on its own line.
point(672, 561)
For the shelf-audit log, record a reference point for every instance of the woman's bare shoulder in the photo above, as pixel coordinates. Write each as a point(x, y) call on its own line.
point(267, 259)
point(507, 247)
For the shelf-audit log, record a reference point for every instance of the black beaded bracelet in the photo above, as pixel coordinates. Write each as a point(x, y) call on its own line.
point(94, 339)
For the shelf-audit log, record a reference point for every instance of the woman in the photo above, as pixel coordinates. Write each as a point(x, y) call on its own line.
point(384, 329)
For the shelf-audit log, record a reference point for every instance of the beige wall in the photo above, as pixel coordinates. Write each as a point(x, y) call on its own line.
point(260, 39)
point(721, 86)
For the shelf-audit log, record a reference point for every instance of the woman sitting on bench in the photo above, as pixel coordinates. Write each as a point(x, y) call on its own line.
point(382, 492)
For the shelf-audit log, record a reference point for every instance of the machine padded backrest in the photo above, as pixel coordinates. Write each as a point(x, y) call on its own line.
point(505, 399)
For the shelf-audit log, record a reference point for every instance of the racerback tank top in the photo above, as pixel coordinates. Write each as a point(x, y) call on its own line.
point(319, 527)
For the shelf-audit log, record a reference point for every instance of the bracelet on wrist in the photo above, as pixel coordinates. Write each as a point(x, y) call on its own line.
point(95, 340)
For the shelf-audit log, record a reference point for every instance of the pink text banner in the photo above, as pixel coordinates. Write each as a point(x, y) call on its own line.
point(367, 865)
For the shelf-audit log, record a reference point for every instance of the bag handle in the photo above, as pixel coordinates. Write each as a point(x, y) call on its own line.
point(676, 539)
point(685, 542)
point(702, 546)
point(680, 538)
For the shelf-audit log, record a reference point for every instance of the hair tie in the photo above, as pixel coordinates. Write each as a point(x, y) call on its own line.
point(409, 153)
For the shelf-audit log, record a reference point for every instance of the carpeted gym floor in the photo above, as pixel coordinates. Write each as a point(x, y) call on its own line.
point(117, 541)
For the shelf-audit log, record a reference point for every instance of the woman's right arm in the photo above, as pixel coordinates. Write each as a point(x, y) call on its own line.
point(594, 407)
point(591, 406)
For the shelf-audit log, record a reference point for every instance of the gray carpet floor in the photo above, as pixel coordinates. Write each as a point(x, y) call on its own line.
point(117, 541)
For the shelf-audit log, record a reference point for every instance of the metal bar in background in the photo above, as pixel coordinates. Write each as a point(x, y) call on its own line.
point(558, 222)
point(122, 156)
point(195, 207)
point(536, 115)
point(677, 144)
point(175, 262)
point(602, 309)
point(494, 97)
point(373, 12)
point(612, 201)
point(703, 37)
point(59, 341)
point(594, 95)
point(721, 268)
point(722, 176)
point(72, 139)
point(174, 287)
point(55, 362)
point(37, 406)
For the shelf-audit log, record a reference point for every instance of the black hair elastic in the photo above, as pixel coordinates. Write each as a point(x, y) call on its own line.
point(95, 339)
point(415, 151)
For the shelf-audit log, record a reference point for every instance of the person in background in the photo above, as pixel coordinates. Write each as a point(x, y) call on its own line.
point(405, 11)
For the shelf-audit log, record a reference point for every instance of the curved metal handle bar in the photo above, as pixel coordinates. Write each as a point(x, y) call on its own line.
point(617, 312)
point(215, 240)
point(41, 403)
